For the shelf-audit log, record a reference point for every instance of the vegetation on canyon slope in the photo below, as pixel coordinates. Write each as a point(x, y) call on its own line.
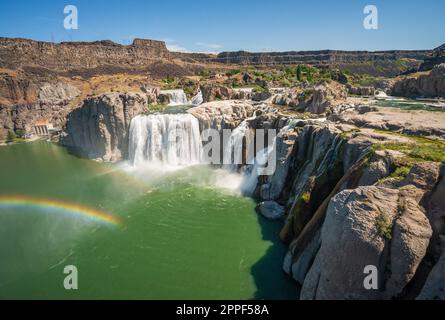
point(420, 149)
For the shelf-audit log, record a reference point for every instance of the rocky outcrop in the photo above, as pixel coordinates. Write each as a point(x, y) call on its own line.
point(58, 93)
point(261, 95)
point(68, 56)
point(433, 58)
point(368, 226)
point(17, 90)
point(360, 91)
point(222, 114)
point(212, 92)
point(343, 211)
point(418, 123)
point(326, 96)
point(52, 103)
point(270, 210)
point(273, 185)
point(434, 204)
point(98, 129)
point(429, 85)
point(434, 288)
point(290, 98)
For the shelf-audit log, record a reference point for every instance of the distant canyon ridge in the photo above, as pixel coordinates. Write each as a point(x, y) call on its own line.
point(92, 58)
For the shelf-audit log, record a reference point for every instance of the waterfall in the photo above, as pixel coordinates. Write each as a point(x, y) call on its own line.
point(197, 100)
point(252, 172)
point(168, 139)
point(234, 146)
point(250, 180)
point(177, 97)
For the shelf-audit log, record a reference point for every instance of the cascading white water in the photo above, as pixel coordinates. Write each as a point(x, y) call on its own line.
point(177, 97)
point(168, 139)
point(197, 99)
point(233, 149)
point(262, 157)
point(250, 180)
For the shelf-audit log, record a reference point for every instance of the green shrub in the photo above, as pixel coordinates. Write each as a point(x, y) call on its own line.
point(384, 226)
point(232, 72)
point(11, 136)
point(20, 133)
point(420, 149)
point(400, 173)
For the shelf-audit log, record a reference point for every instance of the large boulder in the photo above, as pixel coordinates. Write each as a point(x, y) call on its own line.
point(212, 92)
point(368, 226)
point(325, 96)
point(222, 114)
point(270, 210)
point(98, 129)
point(360, 91)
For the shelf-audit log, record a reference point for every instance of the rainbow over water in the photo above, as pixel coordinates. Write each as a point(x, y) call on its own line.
point(45, 204)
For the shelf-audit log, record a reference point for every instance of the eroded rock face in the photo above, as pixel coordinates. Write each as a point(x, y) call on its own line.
point(360, 91)
point(328, 257)
point(58, 93)
point(99, 128)
point(17, 90)
point(222, 114)
point(434, 203)
point(315, 168)
point(284, 146)
point(434, 288)
point(15, 53)
point(211, 92)
point(326, 96)
point(352, 238)
point(431, 85)
point(51, 103)
point(418, 123)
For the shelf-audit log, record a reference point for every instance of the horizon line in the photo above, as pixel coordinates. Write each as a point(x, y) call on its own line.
point(113, 42)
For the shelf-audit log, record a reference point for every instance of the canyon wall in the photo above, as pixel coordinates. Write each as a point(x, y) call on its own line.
point(312, 57)
point(101, 57)
point(99, 128)
point(65, 56)
point(429, 85)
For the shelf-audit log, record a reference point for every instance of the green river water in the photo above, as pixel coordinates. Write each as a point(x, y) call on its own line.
point(180, 237)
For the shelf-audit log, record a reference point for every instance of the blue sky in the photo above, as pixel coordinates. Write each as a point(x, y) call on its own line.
point(213, 26)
